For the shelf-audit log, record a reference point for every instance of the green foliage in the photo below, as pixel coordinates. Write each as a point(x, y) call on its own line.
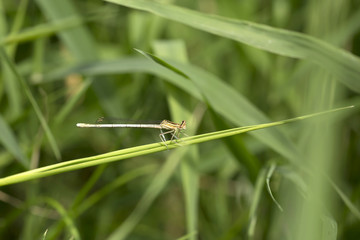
point(234, 70)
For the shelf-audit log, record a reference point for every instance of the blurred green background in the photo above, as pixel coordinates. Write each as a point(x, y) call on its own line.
point(65, 62)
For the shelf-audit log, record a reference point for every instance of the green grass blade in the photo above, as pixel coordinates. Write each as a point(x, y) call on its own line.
point(144, 150)
point(84, 202)
point(226, 101)
point(8, 140)
point(221, 97)
point(268, 177)
point(126, 65)
point(258, 191)
point(346, 200)
point(33, 102)
point(163, 63)
point(340, 62)
point(108, 189)
point(155, 187)
point(66, 218)
point(41, 30)
point(179, 107)
point(77, 39)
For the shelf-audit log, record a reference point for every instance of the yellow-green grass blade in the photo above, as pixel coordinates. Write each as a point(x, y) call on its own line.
point(144, 150)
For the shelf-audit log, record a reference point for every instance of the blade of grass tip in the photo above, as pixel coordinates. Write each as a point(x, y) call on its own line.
point(268, 177)
point(9, 142)
point(162, 62)
point(65, 217)
point(144, 150)
point(34, 104)
point(45, 234)
point(283, 42)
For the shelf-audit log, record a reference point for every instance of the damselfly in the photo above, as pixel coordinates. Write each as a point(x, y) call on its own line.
point(165, 126)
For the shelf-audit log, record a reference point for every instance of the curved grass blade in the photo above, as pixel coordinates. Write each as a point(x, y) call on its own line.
point(292, 44)
point(162, 62)
point(268, 177)
point(144, 150)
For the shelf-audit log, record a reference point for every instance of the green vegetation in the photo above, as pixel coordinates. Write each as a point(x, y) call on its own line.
point(234, 70)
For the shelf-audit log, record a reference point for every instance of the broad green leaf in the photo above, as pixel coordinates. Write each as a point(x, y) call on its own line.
point(292, 44)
